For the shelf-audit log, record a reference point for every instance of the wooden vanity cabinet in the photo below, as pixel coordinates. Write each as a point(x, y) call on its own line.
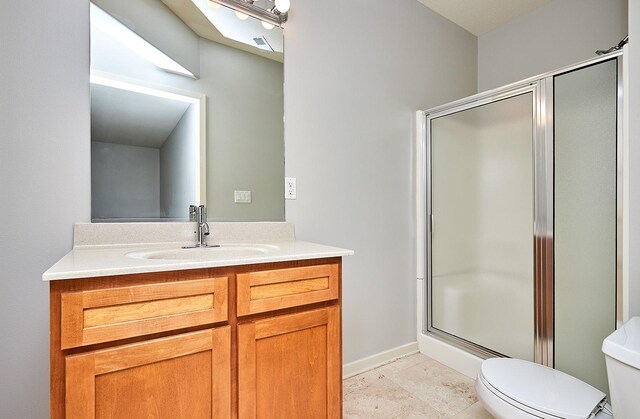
point(137, 346)
point(301, 348)
point(256, 341)
point(290, 366)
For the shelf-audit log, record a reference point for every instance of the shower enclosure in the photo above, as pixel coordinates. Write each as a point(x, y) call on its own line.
point(520, 219)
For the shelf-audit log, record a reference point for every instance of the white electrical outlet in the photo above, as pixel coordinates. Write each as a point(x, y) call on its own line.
point(290, 188)
point(242, 197)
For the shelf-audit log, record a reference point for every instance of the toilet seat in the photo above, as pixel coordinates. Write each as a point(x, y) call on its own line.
point(503, 407)
point(517, 388)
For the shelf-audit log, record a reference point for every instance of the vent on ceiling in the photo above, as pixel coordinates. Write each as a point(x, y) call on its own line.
point(262, 43)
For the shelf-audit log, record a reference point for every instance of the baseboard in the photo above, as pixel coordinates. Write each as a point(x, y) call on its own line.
point(453, 357)
point(376, 360)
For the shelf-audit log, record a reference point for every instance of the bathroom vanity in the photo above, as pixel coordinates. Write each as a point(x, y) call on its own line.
point(145, 331)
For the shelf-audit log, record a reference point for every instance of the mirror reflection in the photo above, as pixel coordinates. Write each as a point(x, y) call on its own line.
point(187, 108)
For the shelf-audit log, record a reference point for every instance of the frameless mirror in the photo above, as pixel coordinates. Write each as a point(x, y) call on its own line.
point(186, 108)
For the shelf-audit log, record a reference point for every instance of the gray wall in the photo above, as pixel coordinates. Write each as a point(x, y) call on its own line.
point(125, 181)
point(177, 174)
point(634, 157)
point(44, 181)
point(356, 71)
point(560, 33)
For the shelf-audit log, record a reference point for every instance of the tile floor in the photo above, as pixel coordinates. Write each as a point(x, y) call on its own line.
point(415, 386)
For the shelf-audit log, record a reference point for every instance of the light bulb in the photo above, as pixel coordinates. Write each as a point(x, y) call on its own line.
point(283, 5)
point(213, 4)
point(242, 16)
point(267, 26)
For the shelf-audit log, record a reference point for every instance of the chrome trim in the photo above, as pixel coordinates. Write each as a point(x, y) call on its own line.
point(422, 224)
point(526, 82)
point(429, 224)
point(543, 223)
point(248, 8)
point(483, 99)
point(620, 194)
point(473, 348)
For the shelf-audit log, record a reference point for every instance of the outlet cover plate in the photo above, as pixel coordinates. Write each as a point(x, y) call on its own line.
point(290, 188)
point(242, 197)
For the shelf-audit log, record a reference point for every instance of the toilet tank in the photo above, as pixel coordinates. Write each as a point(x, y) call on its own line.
point(622, 354)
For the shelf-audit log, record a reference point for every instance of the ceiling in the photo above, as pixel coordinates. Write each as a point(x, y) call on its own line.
point(482, 16)
point(130, 118)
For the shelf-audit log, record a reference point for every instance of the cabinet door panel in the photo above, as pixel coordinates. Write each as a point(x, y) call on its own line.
point(263, 291)
point(184, 376)
point(290, 366)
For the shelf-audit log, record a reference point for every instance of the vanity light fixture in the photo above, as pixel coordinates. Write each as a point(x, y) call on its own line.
point(241, 16)
point(273, 15)
point(283, 5)
point(121, 33)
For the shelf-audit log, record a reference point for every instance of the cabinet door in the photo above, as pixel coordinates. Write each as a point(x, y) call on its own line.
point(184, 376)
point(290, 366)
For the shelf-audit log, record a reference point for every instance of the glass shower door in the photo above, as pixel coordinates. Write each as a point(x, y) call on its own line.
point(585, 218)
point(481, 251)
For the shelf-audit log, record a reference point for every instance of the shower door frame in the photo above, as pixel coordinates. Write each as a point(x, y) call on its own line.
point(541, 88)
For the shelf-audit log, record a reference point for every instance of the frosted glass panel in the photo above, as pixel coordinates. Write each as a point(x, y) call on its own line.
point(585, 219)
point(482, 240)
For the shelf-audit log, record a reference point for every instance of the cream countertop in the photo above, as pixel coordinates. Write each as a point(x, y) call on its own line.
point(106, 249)
point(108, 260)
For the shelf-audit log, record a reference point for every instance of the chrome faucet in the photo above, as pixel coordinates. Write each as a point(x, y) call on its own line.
point(199, 215)
point(203, 227)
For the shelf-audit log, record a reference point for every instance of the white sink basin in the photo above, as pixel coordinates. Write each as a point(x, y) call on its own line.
point(224, 251)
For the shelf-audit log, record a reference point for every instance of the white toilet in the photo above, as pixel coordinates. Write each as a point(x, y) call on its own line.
point(514, 389)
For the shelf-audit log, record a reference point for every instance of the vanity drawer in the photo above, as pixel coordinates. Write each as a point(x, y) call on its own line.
point(258, 292)
point(103, 315)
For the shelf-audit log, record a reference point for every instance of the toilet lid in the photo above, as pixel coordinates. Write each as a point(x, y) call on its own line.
point(541, 388)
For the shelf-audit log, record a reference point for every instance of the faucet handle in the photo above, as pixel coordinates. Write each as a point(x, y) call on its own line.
point(193, 213)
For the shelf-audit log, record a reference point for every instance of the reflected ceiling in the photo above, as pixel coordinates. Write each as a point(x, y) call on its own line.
point(189, 13)
point(143, 120)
